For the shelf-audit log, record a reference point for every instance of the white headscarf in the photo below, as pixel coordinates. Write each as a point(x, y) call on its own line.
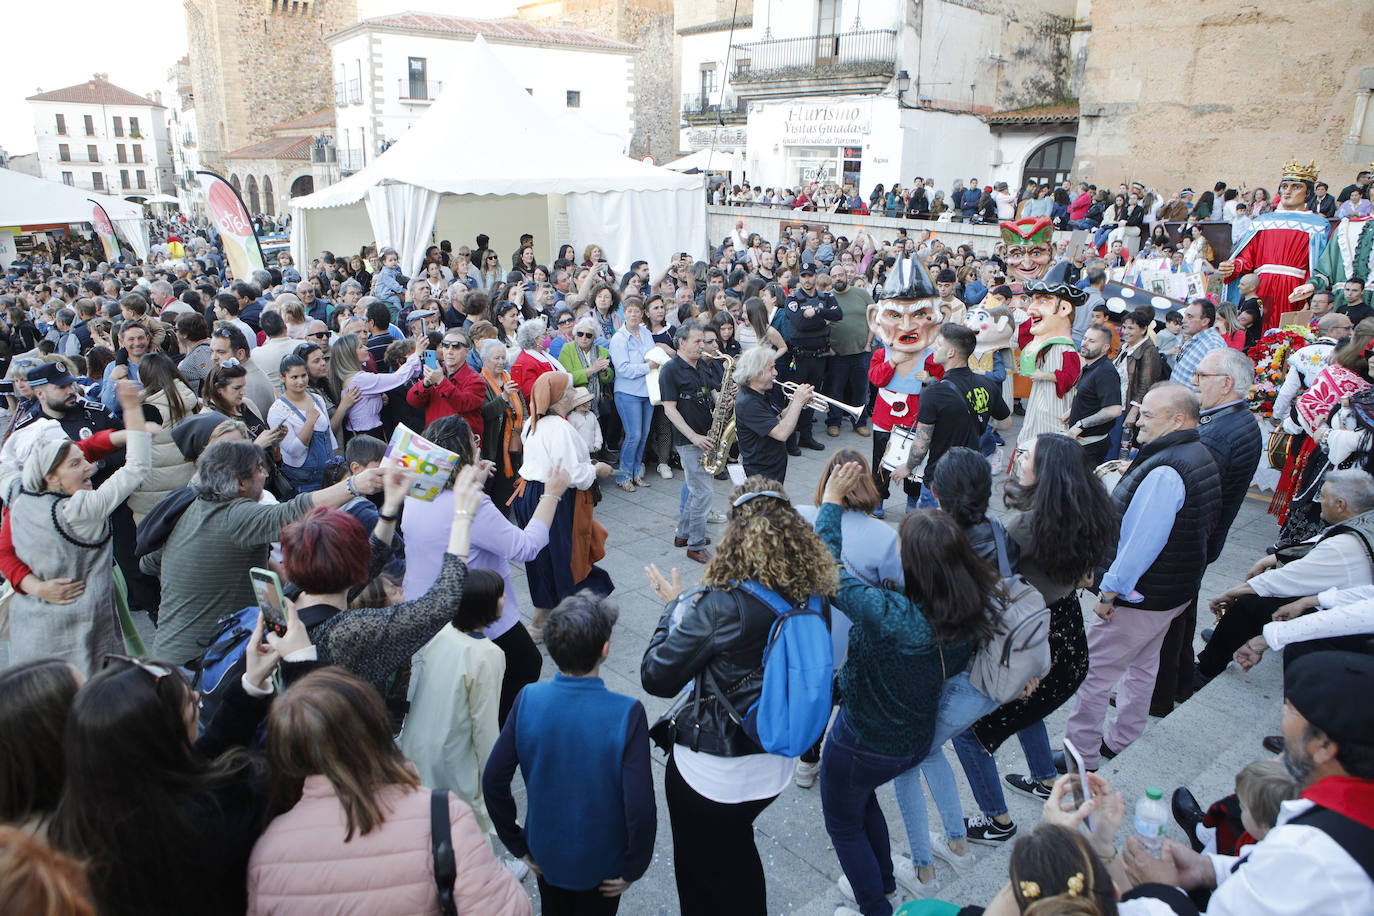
point(41, 461)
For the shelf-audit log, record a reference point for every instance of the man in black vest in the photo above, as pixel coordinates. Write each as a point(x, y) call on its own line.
point(1229, 431)
point(1169, 501)
point(1319, 857)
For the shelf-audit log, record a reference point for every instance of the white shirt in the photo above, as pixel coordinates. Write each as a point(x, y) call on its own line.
point(1294, 870)
point(732, 780)
point(1345, 612)
point(555, 440)
point(1335, 562)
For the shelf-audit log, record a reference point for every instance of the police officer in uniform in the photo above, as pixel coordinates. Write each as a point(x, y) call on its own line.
point(809, 313)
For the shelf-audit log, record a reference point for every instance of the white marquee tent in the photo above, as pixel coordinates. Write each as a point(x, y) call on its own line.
point(708, 160)
point(487, 158)
point(28, 201)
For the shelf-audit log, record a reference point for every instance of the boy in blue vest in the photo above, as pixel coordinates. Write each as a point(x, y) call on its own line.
point(584, 754)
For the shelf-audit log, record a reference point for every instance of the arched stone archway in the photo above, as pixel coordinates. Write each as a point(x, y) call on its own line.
point(253, 201)
point(234, 180)
point(1051, 161)
point(269, 202)
point(303, 185)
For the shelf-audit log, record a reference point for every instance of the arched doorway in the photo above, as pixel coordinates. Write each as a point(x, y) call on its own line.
point(302, 186)
point(234, 180)
point(269, 203)
point(1050, 162)
point(254, 204)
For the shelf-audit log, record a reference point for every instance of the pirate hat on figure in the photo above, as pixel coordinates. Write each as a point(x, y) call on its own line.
point(1056, 283)
point(908, 278)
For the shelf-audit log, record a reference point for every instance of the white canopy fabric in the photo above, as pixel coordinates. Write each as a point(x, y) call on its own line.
point(708, 160)
point(29, 201)
point(533, 155)
point(162, 199)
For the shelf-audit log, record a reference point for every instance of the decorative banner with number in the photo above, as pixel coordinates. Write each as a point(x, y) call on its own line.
point(105, 229)
point(230, 217)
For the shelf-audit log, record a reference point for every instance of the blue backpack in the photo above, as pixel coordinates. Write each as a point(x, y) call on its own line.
point(222, 661)
point(798, 666)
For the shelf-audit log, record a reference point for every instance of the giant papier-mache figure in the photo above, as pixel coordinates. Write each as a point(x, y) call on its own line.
point(1282, 247)
point(906, 320)
point(1030, 247)
point(1349, 255)
point(1049, 359)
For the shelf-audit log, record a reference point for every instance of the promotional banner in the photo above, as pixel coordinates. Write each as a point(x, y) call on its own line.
point(230, 217)
point(9, 251)
point(105, 229)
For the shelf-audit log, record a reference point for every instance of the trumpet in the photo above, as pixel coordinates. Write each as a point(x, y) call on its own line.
point(821, 402)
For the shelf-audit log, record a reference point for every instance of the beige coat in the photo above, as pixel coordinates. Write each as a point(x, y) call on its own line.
point(170, 471)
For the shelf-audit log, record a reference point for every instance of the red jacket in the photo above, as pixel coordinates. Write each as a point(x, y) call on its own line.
point(526, 369)
point(461, 393)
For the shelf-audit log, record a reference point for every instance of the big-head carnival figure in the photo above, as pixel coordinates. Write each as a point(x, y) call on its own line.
point(1049, 360)
point(905, 318)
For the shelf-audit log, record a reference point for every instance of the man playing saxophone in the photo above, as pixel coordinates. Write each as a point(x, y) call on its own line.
point(685, 383)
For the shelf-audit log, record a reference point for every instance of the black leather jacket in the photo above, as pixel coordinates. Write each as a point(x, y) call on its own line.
point(722, 635)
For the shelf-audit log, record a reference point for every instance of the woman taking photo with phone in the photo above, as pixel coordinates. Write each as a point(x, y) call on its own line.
point(346, 358)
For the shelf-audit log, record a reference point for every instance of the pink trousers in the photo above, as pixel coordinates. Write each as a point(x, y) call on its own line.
point(1127, 645)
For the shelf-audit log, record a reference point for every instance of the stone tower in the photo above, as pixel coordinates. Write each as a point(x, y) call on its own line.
point(255, 63)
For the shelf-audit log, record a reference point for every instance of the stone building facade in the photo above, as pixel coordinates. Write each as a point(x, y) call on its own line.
point(1226, 91)
point(256, 64)
point(648, 25)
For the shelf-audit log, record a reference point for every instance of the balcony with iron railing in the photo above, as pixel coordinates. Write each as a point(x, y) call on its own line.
point(713, 109)
point(846, 62)
point(418, 92)
point(355, 92)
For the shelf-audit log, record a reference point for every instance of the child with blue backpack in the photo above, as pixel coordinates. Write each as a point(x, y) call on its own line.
point(583, 751)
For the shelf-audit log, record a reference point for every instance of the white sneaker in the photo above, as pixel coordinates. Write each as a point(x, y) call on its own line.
point(516, 867)
point(848, 890)
point(665, 471)
point(716, 518)
point(905, 872)
point(805, 775)
point(939, 846)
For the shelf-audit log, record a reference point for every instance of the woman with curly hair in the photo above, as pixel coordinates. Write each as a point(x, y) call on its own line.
point(1063, 521)
point(718, 779)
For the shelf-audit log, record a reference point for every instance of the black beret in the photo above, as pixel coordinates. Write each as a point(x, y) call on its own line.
point(1326, 686)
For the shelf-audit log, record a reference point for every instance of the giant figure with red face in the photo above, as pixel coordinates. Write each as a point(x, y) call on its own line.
point(1049, 359)
point(906, 320)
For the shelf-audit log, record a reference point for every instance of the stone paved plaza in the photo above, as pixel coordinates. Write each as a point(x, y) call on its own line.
point(1202, 744)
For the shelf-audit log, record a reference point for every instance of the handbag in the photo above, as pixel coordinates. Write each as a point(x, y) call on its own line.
point(441, 844)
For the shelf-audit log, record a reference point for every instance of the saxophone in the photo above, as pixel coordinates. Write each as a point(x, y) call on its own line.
point(722, 434)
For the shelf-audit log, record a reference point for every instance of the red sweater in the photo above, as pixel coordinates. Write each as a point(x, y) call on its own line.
point(461, 393)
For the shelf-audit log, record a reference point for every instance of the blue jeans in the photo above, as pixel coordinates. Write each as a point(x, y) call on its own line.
point(960, 706)
point(635, 414)
point(850, 776)
point(981, 767)
point(691, 522)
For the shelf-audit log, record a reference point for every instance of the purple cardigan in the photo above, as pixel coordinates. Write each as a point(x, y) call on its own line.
point(495, 544)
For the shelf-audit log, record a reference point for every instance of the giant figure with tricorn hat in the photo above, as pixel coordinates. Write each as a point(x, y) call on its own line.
point(906, 320)
point(1049, 359)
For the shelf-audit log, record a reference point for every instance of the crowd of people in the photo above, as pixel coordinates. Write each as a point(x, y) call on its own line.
point(343, 677)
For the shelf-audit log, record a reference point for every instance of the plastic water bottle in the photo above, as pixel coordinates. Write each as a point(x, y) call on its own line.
point(1151, 817)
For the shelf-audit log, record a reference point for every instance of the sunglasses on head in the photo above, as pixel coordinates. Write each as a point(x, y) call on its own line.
point(157, 671)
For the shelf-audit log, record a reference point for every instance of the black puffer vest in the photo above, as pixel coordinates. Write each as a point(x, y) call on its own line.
point(1173, 578)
